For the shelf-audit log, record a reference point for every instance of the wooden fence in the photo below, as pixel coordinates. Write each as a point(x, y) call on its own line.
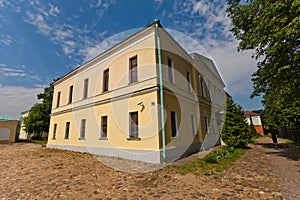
point(291, 133)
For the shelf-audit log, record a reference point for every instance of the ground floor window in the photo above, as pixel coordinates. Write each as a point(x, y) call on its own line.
point(174, 125)
point(82, 128)
point(194, 127)
point(67, 130)
point(54, 131)
point(103, 134)
point(133, 125)
point(206, 125)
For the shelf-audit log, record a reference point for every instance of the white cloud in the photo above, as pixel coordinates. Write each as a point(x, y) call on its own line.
point(11, 72)
point(53, 11)
point(15, 100)
point(92, 50)
point(6, 39)
point(38, 20)
point(97, 5)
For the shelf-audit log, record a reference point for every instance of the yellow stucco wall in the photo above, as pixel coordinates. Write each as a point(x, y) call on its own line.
point(123, 97)
point(120, 99)
point(12, 126)
point(118, 124)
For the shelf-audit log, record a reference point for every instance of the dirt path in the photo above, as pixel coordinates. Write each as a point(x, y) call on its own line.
point(28, 171)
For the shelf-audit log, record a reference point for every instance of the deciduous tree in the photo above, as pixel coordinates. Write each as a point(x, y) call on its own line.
point(272, 29)
point(38, 118)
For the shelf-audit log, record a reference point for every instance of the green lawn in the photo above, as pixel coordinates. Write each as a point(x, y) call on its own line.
point(215, 161)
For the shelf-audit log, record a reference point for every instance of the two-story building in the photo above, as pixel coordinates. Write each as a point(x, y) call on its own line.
point(144, 99)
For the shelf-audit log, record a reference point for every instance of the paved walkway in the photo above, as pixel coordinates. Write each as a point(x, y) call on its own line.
point(286, 165)
point(28, 171)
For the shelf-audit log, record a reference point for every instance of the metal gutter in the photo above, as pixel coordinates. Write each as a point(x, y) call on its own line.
point(162, 110)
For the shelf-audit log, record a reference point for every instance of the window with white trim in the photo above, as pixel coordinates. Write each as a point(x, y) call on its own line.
point(133, 125)
point(82, 129)
point(103, 134)
point(194, 127)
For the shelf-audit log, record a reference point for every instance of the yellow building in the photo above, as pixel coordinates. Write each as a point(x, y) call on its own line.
point(144, 99)
point(8, 129)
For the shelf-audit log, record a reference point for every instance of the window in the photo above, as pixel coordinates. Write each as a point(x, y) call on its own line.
point(171, 71)
point(194, 128)
point(174, 127)
point(133, 69)
point(189, 80)
point(82, 129)
point(202, 88)
point(54, 132)
point(133, 125)
point(103, 127)
point(58, 100)
point(206, 125)
point(85, 88)
point(70, 94)
point(105, 80)
point(67, 130)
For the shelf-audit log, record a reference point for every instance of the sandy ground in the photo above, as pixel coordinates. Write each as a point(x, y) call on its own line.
point(29, 171)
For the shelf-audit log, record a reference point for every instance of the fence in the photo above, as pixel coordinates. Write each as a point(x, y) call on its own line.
point(291, 133)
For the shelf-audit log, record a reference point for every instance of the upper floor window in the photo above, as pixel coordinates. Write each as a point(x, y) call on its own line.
point(70, 94)
point(103, 127)
point(58, 99)
point(133, 69)
point(67, 131)
point(171, 71)
point(105, 80)
point(85, 88)
point(203, 94)
point(189, 80)
point(133, 125)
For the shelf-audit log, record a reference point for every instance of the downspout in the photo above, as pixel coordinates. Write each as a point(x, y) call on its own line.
point(162, 110)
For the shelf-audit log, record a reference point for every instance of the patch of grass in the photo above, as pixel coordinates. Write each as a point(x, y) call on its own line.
point(41, 142)
point(215, 161)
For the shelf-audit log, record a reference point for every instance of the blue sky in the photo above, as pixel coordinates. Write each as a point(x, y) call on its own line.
point(44, 40)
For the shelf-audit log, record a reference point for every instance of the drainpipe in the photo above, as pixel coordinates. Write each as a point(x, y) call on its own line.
point(162, 111)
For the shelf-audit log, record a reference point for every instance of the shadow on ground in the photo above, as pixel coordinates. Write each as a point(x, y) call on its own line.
point(289, 151)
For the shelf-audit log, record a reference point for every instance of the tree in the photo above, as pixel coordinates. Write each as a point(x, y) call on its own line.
point(271, 28)
point(235, 132)
point(38, 119)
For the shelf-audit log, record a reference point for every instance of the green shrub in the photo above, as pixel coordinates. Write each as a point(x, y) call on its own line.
point(235, 132)
point(223, 153)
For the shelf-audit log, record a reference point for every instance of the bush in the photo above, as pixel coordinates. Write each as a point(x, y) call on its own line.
point(223, 153)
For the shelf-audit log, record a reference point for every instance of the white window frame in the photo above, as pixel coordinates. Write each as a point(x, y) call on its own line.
point(194, 127)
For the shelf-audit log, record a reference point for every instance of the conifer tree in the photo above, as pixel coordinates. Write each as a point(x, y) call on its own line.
point(235, 132)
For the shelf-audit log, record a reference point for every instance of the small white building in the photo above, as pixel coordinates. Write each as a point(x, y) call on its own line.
point(256, 121)
point(23, 134)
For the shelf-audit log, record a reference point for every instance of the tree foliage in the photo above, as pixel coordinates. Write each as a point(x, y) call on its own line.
point(235, 132)
point(272, 29)
point(38, 118)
